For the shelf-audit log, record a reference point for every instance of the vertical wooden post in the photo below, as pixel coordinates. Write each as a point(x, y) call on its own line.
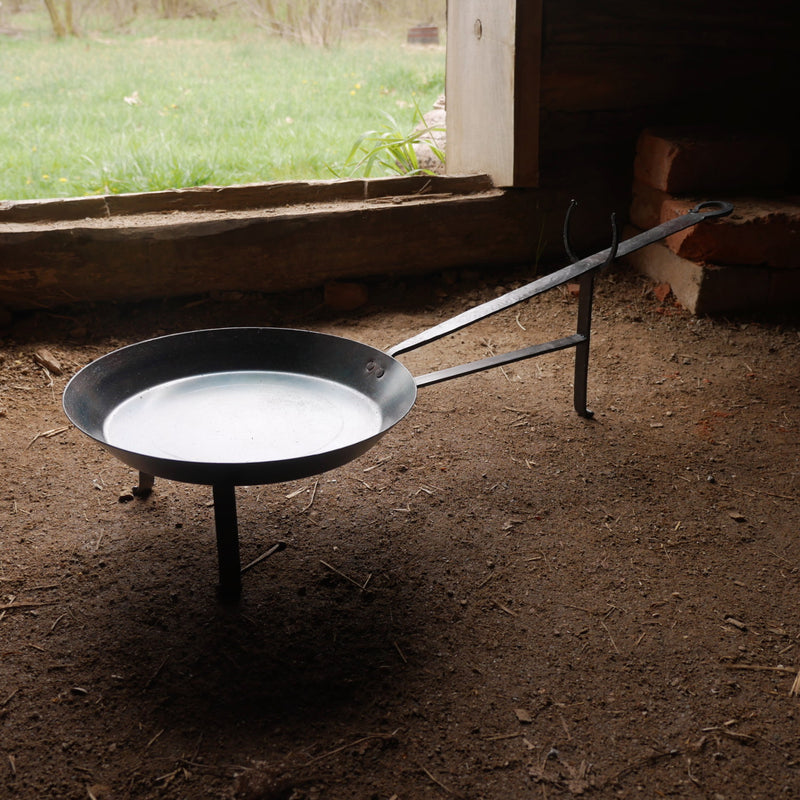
point(493, 71)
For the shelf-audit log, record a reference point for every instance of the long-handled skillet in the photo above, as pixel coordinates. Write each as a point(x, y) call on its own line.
point(241, 406)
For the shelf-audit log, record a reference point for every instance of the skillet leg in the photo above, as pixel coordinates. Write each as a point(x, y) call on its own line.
point(145, 486)
point(230, 574)
point(582, 348)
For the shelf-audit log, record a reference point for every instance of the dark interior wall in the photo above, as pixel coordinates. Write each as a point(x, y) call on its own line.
point(610, 69)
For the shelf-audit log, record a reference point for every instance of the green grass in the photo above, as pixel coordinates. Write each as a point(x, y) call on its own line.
point(219, 103)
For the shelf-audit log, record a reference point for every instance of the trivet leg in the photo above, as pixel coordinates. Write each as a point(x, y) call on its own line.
point(146, 481)
point(230, 573)
point(585, 298)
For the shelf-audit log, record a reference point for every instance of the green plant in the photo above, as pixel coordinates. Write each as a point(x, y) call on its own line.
point(389, 148)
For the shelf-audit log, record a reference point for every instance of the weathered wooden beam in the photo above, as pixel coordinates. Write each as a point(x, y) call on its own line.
point(186, 242)
point(235, 198)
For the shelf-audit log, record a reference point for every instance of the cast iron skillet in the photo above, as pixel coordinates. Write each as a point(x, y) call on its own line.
point(240, 406)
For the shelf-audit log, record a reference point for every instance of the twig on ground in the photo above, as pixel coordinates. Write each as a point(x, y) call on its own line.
point(692, 778)
point(742, 738)
point(485, 580)
point(57, 620)
point(442, 786)
point(377, 464)
point(357, 742)
point(341, 574)
point(499, 737)
point(579, 608)
point(505, 609)
point(313, 495)
point(400, 652)
point(653, 758)
point(761, 668)
point(47, 434)
point(610, 637)
point(47, 375)
point(9, 698)
point(16, 606)
point(753, 492)
point(154, 739)
point(274, 549)
point(153, 677)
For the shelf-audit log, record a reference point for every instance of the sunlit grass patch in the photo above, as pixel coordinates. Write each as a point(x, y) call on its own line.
point(174, 103)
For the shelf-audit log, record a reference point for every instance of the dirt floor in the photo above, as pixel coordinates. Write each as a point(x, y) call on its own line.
point(500, 600)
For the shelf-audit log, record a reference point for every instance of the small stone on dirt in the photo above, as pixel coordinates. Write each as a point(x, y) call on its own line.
point(44, 358)
point(523, 715)
point(661, 291)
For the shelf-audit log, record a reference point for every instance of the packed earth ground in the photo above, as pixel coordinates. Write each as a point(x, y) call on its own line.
point(500, 600)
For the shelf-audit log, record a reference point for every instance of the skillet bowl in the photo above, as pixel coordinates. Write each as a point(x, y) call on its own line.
point(240, 406)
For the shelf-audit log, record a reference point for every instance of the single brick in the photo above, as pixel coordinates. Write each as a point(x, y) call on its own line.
point(758, 232)
point(687, 161)
point(345, 296)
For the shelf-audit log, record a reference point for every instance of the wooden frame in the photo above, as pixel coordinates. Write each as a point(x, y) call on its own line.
point(493, 58)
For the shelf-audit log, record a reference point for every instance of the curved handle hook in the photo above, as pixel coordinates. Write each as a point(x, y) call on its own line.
point(612, 254)
point(567, 246)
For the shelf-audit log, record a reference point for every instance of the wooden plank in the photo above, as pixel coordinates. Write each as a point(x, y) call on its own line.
point(589, 77)
point(177, 254)
point(527, 81)
point(234, 198)
point(201, 198)
point(480, 88)
point(492, 89)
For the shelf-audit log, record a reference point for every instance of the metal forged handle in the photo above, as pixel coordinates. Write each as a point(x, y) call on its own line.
point(702, 211)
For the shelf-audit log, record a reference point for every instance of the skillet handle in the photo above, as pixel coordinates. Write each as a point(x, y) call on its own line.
point(702, 211)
